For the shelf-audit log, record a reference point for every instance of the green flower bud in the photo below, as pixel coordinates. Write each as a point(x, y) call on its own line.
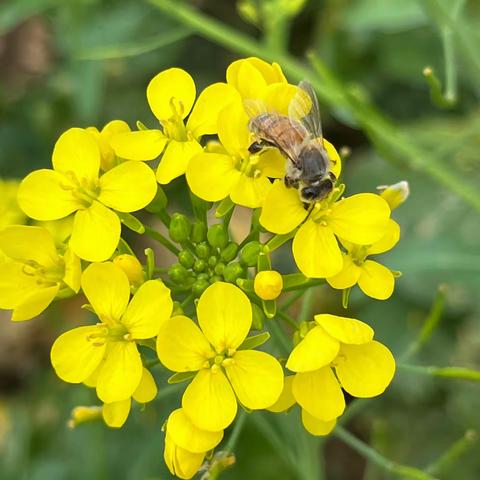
point(178, 273)
point(232, 271)
point(177, 309)
point(219, 268)
point(199, 231)
point(186, 258)
point(258, 317)
point(250, 252)
point(217, 236)
point(180, 228)
point(203, 276)
point(199, 265)
point(202, 250)
point(215, 278)
point(229, 252)
point(199, 287)
point(212, 261)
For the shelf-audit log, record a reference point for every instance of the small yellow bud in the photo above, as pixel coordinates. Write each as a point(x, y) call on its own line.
point(132, 267)
point(395, 194)
point(268, 284)
point(83, 414)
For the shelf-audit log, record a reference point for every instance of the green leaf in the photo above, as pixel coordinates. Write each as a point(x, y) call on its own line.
point(131, 222)
point(150, 267)
point(269, 308)
point(254, 341)
point(224, 207)
point(180, 377)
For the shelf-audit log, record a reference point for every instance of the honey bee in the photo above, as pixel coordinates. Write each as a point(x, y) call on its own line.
point(299, 139)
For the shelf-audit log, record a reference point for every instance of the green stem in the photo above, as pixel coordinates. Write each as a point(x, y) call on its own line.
point(237, 429)
point(402, 471)
point(288, 319)
point(307, 305)
point(291, 300)
point(314, 282)
point(458, 373)
point(333, 93)
point(161, 239)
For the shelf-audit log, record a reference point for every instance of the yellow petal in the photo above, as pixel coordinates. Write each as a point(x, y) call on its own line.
point(47, 195)
point(336, 161)
point(128, 187)
point(150, 307)
point(147, 389)
point(34, 303)
point(104, 138)
point(14, 283)
point(24, 243)
point(187, 436)
point(246, 78)
point(233, 130)
point(120, 373)
point(317, 427)
point(73, 270)
point(175, 159)
point(272, 73)
point(361, 218)
point(286, 399)
point(209, 401)
point(367, 369)
point(346, 330)
point(278, 96)
point(107, 289)
point(74, 355)
point(115, 414)
point(96, 233)
point(315, 351)
point(139, 145)
point(347, 277)
point(272, 163)
point(211, 176)
point(256, 378)
point(224, 315)
point(204, 116)
point(181, 462)
point(250, 191)
point(388, 241)
point(319, 394)
point(181, 346)
point(316, 251)
point(285, 200)
point(171, 88)
point(376, 280)
point(77, 151)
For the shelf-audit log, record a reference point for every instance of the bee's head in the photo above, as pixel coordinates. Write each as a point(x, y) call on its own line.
point(313, 193)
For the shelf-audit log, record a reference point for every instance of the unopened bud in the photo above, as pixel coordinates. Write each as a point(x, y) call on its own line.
point(178, 273)
point(212, 261)
point(258, 317)
point(202, 250)
point(199, 287)
point(268, 284)
point(83, 414)
point(180, 228)
point(229, 252)
point(249, 253)
point(217, 236)
point(215, 278)
point(199, 265)
point(232, 271)
point(132, 267)
point(186, 258)
point(395, 194)
point(219, 268)
point(199, 231)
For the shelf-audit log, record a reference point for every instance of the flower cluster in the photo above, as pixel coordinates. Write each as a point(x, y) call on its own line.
point(204, 316)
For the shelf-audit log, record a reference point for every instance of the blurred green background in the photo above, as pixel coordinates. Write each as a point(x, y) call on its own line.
point(85, 62)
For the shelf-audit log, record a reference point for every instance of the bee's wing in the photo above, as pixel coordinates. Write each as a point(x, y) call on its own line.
point(255, 107)
point(304, 109)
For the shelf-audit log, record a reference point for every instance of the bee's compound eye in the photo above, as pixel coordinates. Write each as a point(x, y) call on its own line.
point(310, 193)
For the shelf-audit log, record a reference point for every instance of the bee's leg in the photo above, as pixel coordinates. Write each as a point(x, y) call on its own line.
point(290, 182)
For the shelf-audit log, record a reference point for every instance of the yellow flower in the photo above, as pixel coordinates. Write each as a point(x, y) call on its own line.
point(361, 219)
point(186, 445)
point(104, 139)
point(83, 414)
point(109, 346)
point(374, 279)
point(115, 414)
point(287, 400)
point(33, 271)
point(10, 213)
point(268, 284)
point(363, 367)
point(74, 185)
point(171, 96)
point(224, 372)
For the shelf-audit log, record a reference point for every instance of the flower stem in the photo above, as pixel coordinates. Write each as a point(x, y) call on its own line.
point(237, 429)
point(288, 319)
point(161, 239)
point(459, 373)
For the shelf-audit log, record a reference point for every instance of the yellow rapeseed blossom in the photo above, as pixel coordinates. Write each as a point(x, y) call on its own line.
point(33, 270)
point(171, 97)
point(115, 414)
point(108, 158)
point(186, 445)
point(374, 279)
point(363, 367)
point(109, 346)
point(361, 219)
point(224, 371)
point(268, 284)
point(10, 212)
point(74, 185)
